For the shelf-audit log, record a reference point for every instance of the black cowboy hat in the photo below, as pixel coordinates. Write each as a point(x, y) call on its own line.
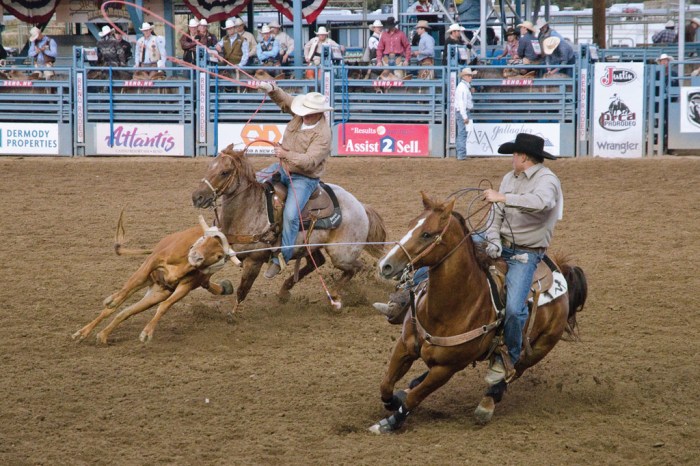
point(527, 143)
point(390, 21)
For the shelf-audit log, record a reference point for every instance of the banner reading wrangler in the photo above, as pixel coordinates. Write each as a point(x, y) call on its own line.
point(618, 110)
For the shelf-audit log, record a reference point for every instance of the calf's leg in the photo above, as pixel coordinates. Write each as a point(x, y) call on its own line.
point(183, 288)
point(154, 295)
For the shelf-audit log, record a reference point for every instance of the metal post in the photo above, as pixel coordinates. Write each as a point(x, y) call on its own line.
point(681, 37)
point(298, 43)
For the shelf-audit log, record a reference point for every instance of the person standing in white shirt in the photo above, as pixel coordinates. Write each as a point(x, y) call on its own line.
point(150, 49)
point(463, 105)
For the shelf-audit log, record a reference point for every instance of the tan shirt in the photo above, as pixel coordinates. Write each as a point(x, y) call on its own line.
point(308, 148)
point(534, 203)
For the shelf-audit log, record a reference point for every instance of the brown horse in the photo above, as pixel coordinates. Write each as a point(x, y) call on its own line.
point(458, 305)
point(245, 223)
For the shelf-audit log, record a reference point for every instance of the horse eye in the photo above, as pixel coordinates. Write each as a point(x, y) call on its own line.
point(225, 173)
point(426, 235)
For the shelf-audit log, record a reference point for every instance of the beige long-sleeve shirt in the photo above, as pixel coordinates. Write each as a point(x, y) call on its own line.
point(308, 148)
point(534, 203)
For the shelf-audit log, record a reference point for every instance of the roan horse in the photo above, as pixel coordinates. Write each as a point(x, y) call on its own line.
point(245, 222)
point(458, 305)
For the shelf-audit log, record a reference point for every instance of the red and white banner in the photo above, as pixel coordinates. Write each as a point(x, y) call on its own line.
point(310, 9)
point(31, 11)
point(383, 139)
point(216, 10)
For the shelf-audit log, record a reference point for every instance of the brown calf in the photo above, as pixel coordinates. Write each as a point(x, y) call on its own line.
point(178, 264)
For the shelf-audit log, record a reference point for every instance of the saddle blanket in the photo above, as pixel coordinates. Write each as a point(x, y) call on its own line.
point(557, 289)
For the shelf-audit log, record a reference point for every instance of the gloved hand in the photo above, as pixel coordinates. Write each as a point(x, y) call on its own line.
point(265, 86)
point(494, 249)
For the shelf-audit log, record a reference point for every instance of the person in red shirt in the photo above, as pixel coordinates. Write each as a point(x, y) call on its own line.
point(393, 44)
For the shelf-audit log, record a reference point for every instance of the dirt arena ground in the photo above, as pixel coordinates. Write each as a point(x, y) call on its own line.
point(298, 383)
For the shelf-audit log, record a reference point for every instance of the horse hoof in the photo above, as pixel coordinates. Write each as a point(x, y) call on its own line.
point(382, 427)
point(78, 336)
point(101, 339)
point(484, 412)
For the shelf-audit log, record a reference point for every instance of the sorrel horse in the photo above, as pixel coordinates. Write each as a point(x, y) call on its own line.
point(458, 304)
point(244, 221)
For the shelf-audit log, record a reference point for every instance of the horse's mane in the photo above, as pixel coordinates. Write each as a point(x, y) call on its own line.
point(240, 163)
point(482, 259)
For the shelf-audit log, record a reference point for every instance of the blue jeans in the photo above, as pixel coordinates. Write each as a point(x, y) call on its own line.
point(299, 190)
point(461, 142)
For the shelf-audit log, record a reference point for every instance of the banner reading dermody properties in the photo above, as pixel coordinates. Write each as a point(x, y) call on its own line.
point(140, 139)
point(383, 139)
point(29, 138)
point(485, 138)
point(618, 110)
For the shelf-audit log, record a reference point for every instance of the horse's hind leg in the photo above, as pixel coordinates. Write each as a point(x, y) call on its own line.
point(316, 258)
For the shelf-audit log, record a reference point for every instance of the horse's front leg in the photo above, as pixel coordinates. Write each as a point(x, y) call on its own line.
point(318, 260)
point(251, 270)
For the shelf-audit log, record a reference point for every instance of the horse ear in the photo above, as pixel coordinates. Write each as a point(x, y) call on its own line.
point(447, 209)
point(427, 201)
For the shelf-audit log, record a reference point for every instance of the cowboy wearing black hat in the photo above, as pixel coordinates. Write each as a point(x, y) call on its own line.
point(525, 209)
point(393, 43)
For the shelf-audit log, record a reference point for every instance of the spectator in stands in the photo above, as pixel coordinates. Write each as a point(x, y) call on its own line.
point(526, 50)
point(463, 105)
point(558, 52)
point(668, 35)
point(42, 49)
point(393, 44)
point(370, 54)
point(313, 48)
point(286, 43)
point(125, 45)
point(233, 48)
point(248, 37)
point(665, 61)
point(268, 48)
point(109, 50)
point(188, 42)
point(545, 33)
point(510, 48)
point(204, 36)
point(425, 10)
point(455, 36)
point(426, 46)
point(150, 49)
point(691, 30)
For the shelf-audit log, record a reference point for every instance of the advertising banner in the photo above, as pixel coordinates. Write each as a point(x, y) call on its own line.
point(690, 109)
point(241, 135)
point(384, 139)
point(140, 139)
point(487, 137)
point(618, 110)
point(29, 138)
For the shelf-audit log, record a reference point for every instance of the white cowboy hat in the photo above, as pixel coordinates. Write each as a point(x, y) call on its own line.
point(541, 22)
point(455, 27)
point(193, 23)
point(670, 24)
point(550, 44)
point(696, 21)
point(145, 27)
point(322, 30)
point(265, 29)
point(203, 22)
point(238, 22)
point(307, 104)
point(467, 72)
point(423, 24)
point(274, 24)
point(527, 25)
point(105, 30)
point(34, 34)
point(229, 24)
point(376, 24)
point(663, 56)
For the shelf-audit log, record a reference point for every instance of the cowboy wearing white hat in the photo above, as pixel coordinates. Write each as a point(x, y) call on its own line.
point(203, 35)
point(305, 148)
point(371, 51)
point(285, 42)
point(691, 30)
point(456, 37)
point(268, 48)
point(42, 49)
point(248, 37)
point(150, 49)
point(426, 45)
point(312, 49)
point(233, 47)
point(527, 42)
point(558, 52)
point(109, 50)
point(188, 42)
point(545, 32)
point(463, 105)
point(667, 35)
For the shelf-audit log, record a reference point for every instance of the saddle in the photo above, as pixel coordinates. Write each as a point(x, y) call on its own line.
point(542, 280)
point(321, 212)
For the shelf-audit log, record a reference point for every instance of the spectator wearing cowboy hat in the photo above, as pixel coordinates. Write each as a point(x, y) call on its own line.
point(544, 32)
point(426, 46)
point(150, 49)
point(463, 105)
point(234, 48)
point(558, 52)
point(268, 48)
point(248, 37)
point(393, 44)
point(525, 210)
point(667, 35)
point(455, 36)
point(691, 30)
point(285, 42)
point(526, 50)
point(312, 49)
point(188, 42)
point(371, 51)
point(204, 36)
point(665, 61)
point(510, 48)
point(305, 148)
point(43, 50)
point(109, 50)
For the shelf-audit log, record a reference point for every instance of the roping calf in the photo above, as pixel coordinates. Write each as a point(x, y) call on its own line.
point(178, 264)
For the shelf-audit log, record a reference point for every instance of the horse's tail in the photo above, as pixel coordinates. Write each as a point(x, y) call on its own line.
point(376, 234)
point(119, 241)
point(578, 293)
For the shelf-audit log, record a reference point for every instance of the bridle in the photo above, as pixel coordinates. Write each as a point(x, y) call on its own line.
point(428, 249)
point(222, 190)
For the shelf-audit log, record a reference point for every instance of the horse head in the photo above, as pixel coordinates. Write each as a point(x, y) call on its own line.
point(431, 238)
point(225, 175)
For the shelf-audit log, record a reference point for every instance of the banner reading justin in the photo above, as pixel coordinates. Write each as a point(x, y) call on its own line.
point(618, 110)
